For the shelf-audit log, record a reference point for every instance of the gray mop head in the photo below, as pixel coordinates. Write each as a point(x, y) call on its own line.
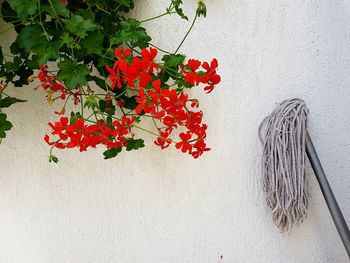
point(283, 135)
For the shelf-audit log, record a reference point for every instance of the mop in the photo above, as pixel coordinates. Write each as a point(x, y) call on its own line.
point(286, 142)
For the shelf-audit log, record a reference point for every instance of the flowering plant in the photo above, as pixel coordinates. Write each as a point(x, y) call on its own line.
point(88, 54)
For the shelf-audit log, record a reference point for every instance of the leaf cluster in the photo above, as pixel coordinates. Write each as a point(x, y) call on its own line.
point(80, 35)
point(5, 124)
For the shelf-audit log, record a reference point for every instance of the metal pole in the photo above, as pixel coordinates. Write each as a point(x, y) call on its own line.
point(332, 204)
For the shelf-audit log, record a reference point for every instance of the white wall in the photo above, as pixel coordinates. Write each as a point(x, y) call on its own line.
point(161, 206)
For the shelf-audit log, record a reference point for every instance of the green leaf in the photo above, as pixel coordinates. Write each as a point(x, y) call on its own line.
point(182, 84)
point(69, 41)
point(111, 153)
point(86, 14)
point(8, 14)
point(8, 101)
point(80, 26)
point(57, 9)
point(172, 60)
point(120, 5)
point(93, 43)
point(24, 8)
point(125, 5)
point(74, 117)
point(72, 74)
point(135, 144)
point(108, 23)
point(132, 33)
point(171, 63)
point(30, 37)
point(177, 4)
point(47, 51)
point(130, 103)
point(8, 75)
point(14, 48)
point(23, 73)
point(5, 125)
point(14, 66)
point(109, 120)
point(32, 64)
point(99, 82)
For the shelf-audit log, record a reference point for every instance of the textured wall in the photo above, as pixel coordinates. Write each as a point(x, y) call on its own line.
point(155, 207)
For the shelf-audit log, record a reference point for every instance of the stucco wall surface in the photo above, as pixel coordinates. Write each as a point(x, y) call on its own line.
point(157, 206)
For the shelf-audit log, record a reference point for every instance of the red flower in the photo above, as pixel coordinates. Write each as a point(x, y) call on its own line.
point(47, 140)
point(145, 78)
point(213, 80)
point(139, 69)
point(163, 141)
point(194, 103)
point(144, 103)
point(155, 93)
point(170, 122)
point(212, 67)
point(184, 145)
point(200, 148)
point(209, 77)
point(51, 82)
point(114, 73)
point(122, 54)
point(148, 57)
point(192, 78)
point(114, 77)
point(193, 64)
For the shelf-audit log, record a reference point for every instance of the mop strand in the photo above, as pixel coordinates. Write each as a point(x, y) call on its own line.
point(283, 135)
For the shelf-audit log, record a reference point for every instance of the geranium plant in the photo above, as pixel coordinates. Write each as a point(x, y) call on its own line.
point(88, 53)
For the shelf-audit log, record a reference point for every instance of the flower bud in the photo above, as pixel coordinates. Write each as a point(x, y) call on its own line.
point(201, 9)
point(63, 110)
point(49, 98)
point(31, 78)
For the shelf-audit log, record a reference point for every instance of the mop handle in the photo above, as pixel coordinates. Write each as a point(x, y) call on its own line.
point(332, 204)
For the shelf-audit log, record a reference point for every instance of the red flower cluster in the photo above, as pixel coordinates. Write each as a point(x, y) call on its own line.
point(173, 113)
point(194, 76)
point(169, 106)
point(139, 69)
point(82, 135)
point(50, 82)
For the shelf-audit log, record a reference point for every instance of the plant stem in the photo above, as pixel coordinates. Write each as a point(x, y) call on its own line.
point(100, 8)
point(138, 127)
point(162, 50)
point(41, 22)
point(155, 17)
point(58, 18)
point(155, 124)
point(8, 29)
point(188, 32)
